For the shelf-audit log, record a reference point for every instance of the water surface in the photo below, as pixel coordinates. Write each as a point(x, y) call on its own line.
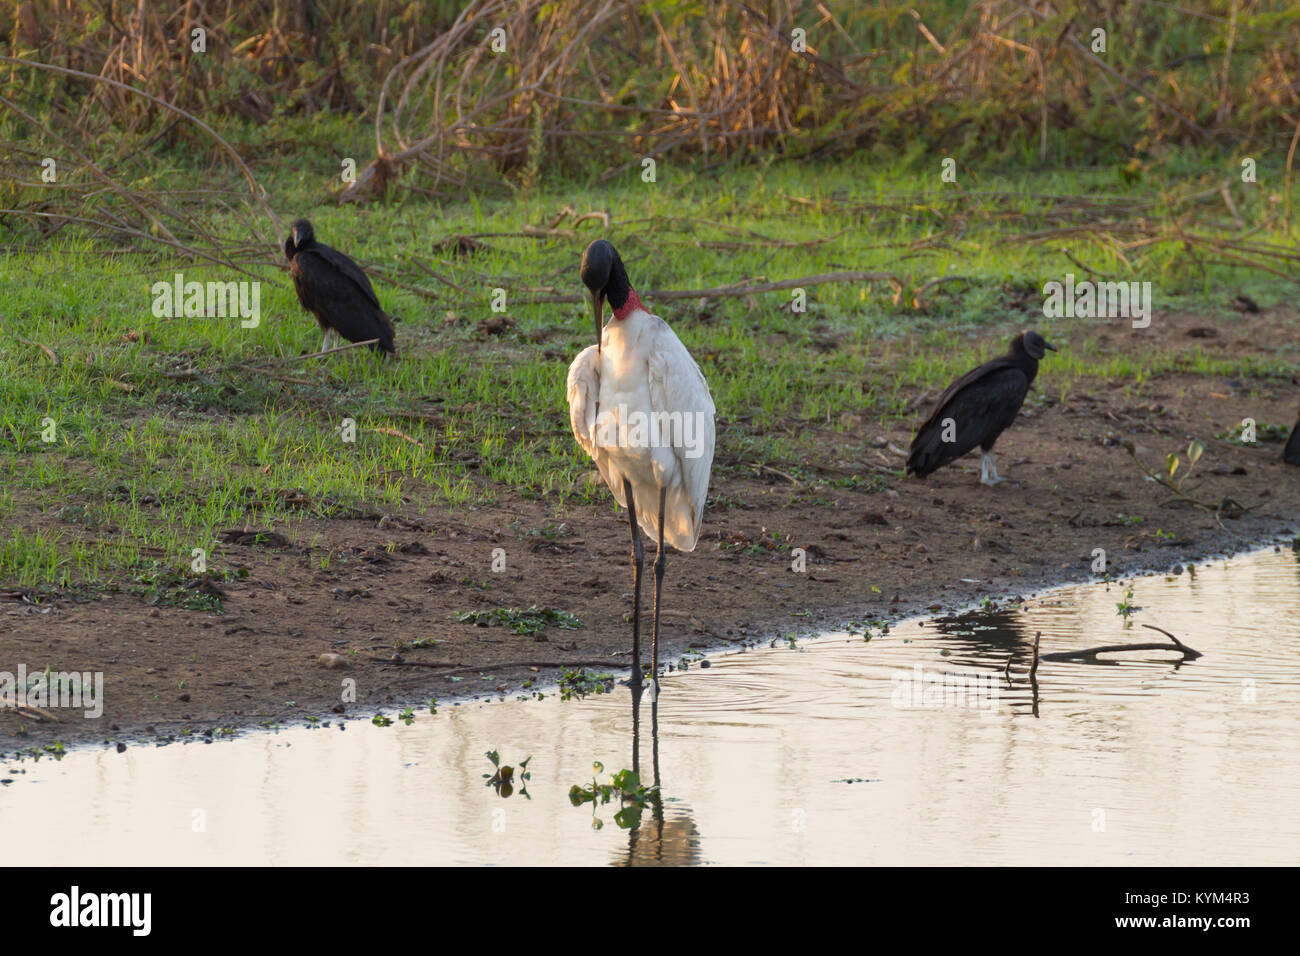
point(1138, 758)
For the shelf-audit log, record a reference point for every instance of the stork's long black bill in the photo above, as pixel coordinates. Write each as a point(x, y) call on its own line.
point(598, 313)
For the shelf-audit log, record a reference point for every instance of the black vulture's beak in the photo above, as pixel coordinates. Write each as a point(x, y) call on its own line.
point(598, 313)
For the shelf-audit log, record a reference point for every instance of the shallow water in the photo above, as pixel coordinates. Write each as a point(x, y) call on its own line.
point(1140, 758)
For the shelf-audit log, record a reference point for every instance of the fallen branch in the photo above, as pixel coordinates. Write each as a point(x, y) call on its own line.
point(448, 667)
point(919, 303)
point(54, 359)
point(1091, 653)
point(739, 289)
point(313, 355)
point(781, 474)
point(397, 434)
point(38, 714)
point(1180, 644)
point(257, 191)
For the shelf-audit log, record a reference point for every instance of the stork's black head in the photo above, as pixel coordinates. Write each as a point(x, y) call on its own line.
point(301, 233)
point(1032, 344)
point(605, 278)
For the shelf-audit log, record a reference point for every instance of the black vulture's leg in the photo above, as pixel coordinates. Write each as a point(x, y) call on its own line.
point(993, 468)
point(638, 556)
point(660, 560)
point(989, 469)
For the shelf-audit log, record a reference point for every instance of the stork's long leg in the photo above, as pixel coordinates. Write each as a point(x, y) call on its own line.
point(638, 557)
point(660, 560)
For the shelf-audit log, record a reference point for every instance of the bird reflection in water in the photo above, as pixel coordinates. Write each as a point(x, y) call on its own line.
point(656, 841)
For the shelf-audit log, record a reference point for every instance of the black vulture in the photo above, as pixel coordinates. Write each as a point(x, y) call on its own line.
point(977, 408)
point(334, 289)
point(1291, 453)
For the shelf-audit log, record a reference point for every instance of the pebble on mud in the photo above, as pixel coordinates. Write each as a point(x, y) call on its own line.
point(332, 662)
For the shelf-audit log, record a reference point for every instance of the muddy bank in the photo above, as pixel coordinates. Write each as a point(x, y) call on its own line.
point(394, 595)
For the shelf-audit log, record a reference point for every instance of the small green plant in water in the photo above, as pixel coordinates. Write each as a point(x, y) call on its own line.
point(582, 682)
point(633, 796)
point(503, 776)
point(1125, 607)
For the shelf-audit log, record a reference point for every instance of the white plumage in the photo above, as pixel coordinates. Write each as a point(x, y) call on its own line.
point(643, 374)
point(641, 409)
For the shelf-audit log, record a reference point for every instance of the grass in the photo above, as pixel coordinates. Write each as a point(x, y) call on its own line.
point(111, 466)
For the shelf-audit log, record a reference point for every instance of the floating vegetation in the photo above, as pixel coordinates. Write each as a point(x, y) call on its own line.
point(503, 776)
point(1125, 608)
point(633, 796)
point(581, 682)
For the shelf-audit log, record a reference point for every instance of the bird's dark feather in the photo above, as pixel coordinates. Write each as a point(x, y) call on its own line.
point(981, 410)
point(346, 267)
point(974, 375)
point(334, 289)
point(982, 404)
point(1291, 454)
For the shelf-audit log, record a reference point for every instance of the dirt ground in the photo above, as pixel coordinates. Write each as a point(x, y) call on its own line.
point(871, 554)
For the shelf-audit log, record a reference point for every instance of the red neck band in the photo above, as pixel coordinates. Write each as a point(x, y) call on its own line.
point(633, 302)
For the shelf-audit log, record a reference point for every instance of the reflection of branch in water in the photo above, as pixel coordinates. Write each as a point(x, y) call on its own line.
point(1033, 672)
point(1091, 653)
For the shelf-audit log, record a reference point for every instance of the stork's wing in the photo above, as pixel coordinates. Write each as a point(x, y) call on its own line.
point(678, 388)
point(584, 397)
